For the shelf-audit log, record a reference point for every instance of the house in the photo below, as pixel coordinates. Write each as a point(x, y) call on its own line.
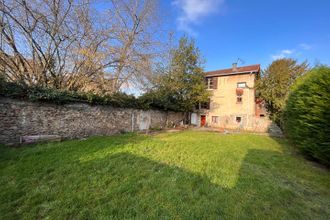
point(233, 103)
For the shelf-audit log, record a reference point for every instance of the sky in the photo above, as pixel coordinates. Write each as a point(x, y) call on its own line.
point(253, 31)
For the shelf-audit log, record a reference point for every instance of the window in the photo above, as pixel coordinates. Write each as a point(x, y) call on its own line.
point(241, 85)
point(239, 99)
point(205, 105)
point(238, 119)
point(209, 83)
point(215, 119)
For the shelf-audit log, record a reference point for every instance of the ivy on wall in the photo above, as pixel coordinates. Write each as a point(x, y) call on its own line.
point(56, 96)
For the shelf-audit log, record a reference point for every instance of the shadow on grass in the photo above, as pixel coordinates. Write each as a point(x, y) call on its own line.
point(124, 185)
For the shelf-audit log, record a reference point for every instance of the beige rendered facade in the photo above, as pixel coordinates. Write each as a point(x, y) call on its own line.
point(233, 103)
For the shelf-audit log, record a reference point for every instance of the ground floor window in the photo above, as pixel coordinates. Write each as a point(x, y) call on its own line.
point(215, 119)
point(238, 119)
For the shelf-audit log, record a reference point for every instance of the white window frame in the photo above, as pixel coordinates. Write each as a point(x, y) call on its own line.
point(241, 85)
point(209, 83)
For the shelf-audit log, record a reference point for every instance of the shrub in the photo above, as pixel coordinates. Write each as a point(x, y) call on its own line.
point(51, 95)
point(307, 114)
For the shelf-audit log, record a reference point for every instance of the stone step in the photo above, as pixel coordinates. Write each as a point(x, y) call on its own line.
point(39, 138)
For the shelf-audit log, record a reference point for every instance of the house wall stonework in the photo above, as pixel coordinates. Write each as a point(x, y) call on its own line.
point(21, 118)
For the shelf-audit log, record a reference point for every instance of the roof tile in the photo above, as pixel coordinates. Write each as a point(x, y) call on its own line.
point(230, 71)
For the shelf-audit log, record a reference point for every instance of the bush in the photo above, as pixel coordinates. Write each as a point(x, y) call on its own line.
point(307, 114)
point(51, 95)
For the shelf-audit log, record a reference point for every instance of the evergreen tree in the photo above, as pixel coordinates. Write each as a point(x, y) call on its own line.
point(181, 85)
point(306, 115)
point(275, 82)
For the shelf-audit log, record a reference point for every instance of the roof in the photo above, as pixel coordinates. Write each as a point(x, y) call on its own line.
point(230, 71)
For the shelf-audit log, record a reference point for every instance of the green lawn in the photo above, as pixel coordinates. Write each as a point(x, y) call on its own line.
point(171, 175)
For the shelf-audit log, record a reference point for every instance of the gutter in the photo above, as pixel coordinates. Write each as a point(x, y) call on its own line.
point(228, 74)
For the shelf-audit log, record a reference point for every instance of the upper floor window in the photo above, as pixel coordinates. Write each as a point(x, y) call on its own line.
point(211, 82)
point(241, 85)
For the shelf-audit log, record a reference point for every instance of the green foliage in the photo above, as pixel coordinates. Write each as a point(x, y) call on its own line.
point(182, 85)
point(307, 114)
point(185, 175)
point(51, 95)
point(275, 82)
point(12, 90)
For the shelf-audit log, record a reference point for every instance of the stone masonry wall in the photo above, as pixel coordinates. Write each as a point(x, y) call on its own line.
point(20, 118)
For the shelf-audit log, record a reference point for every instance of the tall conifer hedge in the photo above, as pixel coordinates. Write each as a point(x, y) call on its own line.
point(307, 114)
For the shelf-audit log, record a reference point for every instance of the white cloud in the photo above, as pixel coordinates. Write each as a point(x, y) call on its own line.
point(282, 54)
point(305, 46)
point(298, 51)
point(287, 52)
point(193, 11)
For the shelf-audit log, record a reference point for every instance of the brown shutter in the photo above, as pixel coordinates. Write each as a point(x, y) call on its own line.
point(215, 82)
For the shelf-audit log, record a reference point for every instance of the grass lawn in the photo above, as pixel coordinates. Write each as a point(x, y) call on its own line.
point(171, 175)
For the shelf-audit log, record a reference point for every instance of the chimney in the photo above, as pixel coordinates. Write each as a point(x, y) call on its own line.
point(234, 67)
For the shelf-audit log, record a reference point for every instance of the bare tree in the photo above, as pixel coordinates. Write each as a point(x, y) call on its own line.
point(75, 45)
point(134, 29)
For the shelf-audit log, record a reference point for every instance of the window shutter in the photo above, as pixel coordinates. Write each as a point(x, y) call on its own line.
point(215, 82)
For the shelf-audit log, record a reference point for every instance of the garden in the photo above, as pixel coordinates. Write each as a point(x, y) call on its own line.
point(189, 174)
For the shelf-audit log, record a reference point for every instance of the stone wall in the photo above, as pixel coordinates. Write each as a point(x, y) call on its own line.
point(20, 118)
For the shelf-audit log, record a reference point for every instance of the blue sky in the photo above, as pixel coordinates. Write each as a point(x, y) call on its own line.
point(256, 31)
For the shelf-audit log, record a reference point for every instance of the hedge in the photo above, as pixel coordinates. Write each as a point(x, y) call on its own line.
point(51, 95)
point(307, 114)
